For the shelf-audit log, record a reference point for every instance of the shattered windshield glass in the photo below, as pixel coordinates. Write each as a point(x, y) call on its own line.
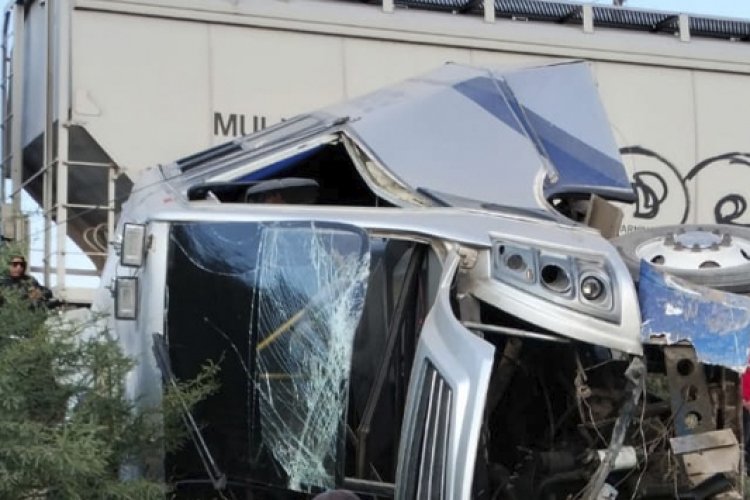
point(276, 305)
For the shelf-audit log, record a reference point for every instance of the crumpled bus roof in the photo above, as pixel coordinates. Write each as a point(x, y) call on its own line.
point(464, 136)
point(493, 135)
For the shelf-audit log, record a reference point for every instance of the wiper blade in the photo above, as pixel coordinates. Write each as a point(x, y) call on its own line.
point(216, 476)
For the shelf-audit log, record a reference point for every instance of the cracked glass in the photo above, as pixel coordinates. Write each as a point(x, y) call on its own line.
point(277, 306)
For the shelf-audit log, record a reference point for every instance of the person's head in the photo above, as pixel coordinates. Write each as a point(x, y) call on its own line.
point(273, 197)
point(17, 266)
point(336, 495)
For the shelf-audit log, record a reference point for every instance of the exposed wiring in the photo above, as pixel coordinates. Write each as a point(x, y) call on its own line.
point(92, 237)
point(86, 235)
point(100, 236)
point(594, 425)
point(550, 414)
point(109, 203)
point(643, 441)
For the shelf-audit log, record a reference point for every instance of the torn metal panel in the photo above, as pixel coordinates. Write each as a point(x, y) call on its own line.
point(524, 121)
point(561, 104)
point(311, 286)
point(716, 323)
point(708, 453)
point(406, 127)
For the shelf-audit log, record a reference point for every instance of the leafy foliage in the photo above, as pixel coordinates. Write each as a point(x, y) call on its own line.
point(67, 428)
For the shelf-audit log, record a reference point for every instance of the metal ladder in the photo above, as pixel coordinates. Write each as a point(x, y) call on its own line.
point(56, 163)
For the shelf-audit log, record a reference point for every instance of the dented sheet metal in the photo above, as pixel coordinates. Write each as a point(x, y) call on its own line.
point(312, 287)
point(716, 323)
point(543, 126)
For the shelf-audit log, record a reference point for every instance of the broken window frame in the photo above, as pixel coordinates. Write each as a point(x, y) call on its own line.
point(412, 275)
point(231, 273)
point(327, 323)
point(463, 362)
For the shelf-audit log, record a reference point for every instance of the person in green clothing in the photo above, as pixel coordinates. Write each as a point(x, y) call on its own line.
point(18, 281)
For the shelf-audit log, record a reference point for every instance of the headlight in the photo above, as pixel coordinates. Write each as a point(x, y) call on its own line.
point(577, 281)
point(133, 243)
point(592, 288)
point(126, 298)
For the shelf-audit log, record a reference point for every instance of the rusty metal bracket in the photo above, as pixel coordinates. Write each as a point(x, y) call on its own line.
point(688, 391)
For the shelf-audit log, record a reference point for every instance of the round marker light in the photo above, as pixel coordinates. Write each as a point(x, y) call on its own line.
point(592, 288)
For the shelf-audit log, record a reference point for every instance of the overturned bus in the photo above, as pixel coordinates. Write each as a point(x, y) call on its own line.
point(413, 295)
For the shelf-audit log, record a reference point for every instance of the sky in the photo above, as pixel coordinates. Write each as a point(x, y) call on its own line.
point(721, 8)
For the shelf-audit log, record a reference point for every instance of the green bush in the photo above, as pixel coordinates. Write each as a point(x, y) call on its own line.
point(66, 424)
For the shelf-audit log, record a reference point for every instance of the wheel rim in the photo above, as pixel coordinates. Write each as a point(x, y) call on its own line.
point(696, 250)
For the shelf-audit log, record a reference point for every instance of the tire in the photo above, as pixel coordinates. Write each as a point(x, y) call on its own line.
point(712, 255)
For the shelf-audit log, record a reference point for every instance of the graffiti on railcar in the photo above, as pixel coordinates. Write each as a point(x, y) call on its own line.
point(728, 198)
point(664, 194)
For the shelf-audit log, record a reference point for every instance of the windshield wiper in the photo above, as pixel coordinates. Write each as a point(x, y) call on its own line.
point(215, 475)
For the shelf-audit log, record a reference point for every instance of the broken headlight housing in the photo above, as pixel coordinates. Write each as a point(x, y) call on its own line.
point(580, 282)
